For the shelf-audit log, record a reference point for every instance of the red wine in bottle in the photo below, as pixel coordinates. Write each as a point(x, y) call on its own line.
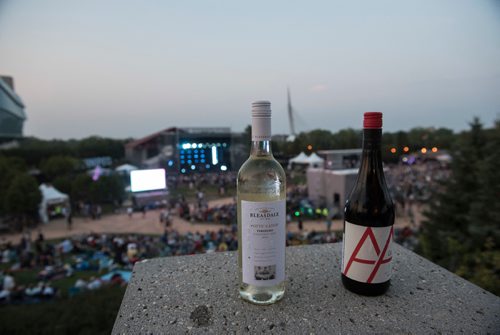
point(368, 219)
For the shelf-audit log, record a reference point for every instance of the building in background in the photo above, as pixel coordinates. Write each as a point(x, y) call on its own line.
point(186, 150)
point(341, 159)
point(12, 115)
point(330, 186)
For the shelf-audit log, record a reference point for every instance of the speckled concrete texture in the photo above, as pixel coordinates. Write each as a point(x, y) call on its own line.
point(199, 294)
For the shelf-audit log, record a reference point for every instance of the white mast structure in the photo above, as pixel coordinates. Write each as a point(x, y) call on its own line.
point(293, 134)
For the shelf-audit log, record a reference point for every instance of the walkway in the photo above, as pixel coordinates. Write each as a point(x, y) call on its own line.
point(150, 224)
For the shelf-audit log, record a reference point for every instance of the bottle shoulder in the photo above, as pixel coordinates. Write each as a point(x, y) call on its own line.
point(369, 207)
point(256, 166)
point(261, 179)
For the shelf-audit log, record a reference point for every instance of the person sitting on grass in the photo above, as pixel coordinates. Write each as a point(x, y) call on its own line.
point(8, 282)
point(94, 284)
point(48, 291)
point(32, 291)
point(81, 284)
point(117, 280)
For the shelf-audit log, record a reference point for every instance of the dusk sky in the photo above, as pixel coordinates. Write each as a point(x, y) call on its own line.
point(129, 68)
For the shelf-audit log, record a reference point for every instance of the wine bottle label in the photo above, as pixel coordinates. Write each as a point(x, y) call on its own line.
point(367, 253)
point(263, 242)
point(261, 129)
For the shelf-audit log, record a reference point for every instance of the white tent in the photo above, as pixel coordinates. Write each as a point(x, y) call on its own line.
point(126, 168)
point(314, 160)
point(445, 158)
point(299, 159)
point(50, 196)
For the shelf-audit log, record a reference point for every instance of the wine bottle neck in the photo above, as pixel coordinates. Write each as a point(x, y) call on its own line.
point(371, 157)
point(372, 138)
point(261, 148)
point(261, 134)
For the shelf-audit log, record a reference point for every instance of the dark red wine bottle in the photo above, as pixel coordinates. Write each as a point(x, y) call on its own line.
point(368, 219)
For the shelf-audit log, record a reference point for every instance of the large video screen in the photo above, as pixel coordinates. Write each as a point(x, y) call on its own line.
point(147, 180)
point(204, 155)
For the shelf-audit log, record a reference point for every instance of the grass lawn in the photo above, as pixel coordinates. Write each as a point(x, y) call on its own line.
point(85, 313)
point(64, 284)
point(88, 313)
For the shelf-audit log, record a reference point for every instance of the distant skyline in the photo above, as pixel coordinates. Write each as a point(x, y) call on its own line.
point(127, 69)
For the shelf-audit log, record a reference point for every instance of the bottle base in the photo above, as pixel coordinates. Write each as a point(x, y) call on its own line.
point(261, 295)
point(365, 288)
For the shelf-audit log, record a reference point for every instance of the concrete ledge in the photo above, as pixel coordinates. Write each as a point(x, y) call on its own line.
point(199, 294)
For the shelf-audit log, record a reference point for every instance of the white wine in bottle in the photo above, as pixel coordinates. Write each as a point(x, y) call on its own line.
point(261, 193)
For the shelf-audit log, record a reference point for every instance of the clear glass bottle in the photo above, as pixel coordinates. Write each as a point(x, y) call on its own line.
point(261, 192)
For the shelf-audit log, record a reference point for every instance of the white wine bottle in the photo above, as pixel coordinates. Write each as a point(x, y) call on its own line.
point(261, 189)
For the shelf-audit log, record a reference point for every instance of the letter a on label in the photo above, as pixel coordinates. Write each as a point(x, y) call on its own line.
point(367, 253)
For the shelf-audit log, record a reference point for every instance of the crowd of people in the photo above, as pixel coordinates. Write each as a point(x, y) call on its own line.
point(51, 261)
point(411, 185)
point(32, 293)
point(223, 214)
point(197, 211)
point(222, 181)
point(106, 254)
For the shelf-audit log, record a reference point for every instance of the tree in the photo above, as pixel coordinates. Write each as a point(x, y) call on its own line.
point(348, 139)
point(246, 139)
point(483, 266)
point(33, 150)
point(9, 167)
point(58, 166)
point(80, 188)
point(448, 210)
point(462, 227)
point(484, 212)
point(108, 189)
point(99, 146)
point(63, 183)
point(319, 139)
point(23, 198)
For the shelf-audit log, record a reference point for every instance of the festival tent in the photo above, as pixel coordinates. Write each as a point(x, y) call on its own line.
point(299, 159)
point(126, 168)
point(50, 197)
point(314, 160)
point(444, 158)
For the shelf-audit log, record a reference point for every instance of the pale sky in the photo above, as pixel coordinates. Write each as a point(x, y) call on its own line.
point(129, 68)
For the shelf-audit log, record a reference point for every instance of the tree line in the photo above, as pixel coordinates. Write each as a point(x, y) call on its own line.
point(33, 150)
point(59, 163)
point(321, 139)
point(462, 227)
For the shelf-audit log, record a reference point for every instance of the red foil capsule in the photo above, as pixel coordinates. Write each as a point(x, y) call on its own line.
point(372, 120)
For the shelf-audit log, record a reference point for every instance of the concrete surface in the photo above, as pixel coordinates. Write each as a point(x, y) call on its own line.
point(199, 294)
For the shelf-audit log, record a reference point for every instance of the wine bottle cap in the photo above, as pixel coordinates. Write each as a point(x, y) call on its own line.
point(261, 109)
point(372, 120)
